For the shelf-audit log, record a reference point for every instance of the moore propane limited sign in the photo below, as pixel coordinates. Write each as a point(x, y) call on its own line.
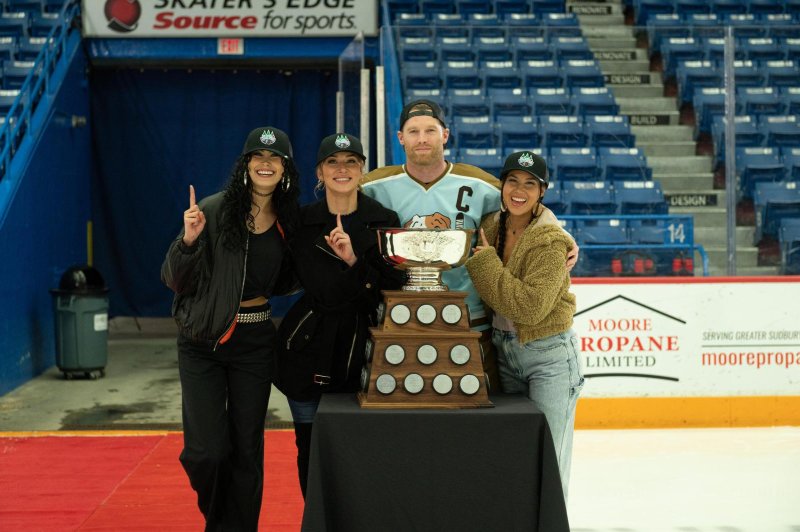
point(228, 18)
point(693, 338)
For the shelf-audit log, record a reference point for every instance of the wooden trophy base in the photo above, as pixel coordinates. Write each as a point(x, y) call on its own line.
point(424, 355)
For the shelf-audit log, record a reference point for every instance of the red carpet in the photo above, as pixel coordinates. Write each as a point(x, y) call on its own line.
point(124, 482)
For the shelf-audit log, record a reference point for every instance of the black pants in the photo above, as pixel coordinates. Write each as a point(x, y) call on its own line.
point(225, 395)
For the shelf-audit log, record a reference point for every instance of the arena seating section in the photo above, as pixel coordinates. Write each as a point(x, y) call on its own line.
point(517, 75)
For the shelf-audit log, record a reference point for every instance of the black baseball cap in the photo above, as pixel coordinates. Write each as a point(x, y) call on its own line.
point(422, 108)
point(268, 138)
point(527, 161)
point(339, 142)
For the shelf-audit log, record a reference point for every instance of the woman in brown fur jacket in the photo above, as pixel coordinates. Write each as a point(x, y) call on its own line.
point(522, 276)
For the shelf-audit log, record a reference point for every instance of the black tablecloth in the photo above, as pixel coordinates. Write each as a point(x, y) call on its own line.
point(483, 470)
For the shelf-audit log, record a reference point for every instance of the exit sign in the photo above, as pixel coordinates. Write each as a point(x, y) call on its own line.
point(230, 46)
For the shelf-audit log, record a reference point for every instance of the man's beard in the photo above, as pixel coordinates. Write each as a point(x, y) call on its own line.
point(426, 159)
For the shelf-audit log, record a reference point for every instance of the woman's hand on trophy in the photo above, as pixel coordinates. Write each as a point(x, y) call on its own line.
point(340, 243)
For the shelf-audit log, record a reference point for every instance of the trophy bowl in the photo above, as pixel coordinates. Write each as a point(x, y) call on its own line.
point(425, 253)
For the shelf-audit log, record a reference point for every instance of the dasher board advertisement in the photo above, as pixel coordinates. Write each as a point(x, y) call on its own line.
point(698, 337)
point(229, 18)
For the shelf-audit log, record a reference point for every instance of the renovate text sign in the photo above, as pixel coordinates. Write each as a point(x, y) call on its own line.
point(692, 338)
point(228, 18)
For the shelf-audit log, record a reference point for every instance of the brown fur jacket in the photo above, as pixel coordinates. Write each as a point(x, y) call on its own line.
point(532, 290)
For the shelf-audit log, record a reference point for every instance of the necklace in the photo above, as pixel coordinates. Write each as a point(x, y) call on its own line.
point(261, 194)
point(521, 227)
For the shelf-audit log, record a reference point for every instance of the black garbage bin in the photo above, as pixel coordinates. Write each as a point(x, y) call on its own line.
point(81, 318)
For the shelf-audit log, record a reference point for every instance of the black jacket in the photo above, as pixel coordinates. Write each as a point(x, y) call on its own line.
point(208, 279)
point(325, 332)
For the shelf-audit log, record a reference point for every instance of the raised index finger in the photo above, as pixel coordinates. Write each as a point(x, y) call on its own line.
point(192, 201)
point(339, 222)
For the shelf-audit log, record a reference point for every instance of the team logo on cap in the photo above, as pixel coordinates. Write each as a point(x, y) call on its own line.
point(267, 137)
point(342, 141)
point(526, 160)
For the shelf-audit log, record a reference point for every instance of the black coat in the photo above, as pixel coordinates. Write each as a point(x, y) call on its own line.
point(323, 336)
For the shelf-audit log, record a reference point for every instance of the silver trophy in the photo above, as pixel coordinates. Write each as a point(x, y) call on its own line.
point(425, 254)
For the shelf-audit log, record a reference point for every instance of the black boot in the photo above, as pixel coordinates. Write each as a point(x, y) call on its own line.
point(302, 439)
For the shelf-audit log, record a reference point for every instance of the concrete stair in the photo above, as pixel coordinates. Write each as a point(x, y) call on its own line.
point(687, 178)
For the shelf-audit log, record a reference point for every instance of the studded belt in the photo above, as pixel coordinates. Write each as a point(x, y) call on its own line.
point(253, 317)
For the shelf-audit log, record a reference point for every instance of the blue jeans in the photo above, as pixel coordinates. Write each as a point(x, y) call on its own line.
point(303, 411)
point(548, 372)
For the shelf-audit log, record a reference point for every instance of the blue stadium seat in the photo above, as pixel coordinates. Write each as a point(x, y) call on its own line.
point(411, 25)
point(547, 6)
point(745, 25)
point(467, 103)
point(782, 73)
point(473, 133)
point(624, 164)
point(500, 75)
point(696, 74)
point(30, 7)
point(791, 161)
point(487, 26)
point(30, 48)
point(685, 8)
point(640, 197)
point(562, 132)
point(395, 7)
point(757, 165)
point(648, 231)
point(532, 49)
point(14, 24)
point(780, 25)
point(782, 131)
point(8, 48)
point(748, 134)
point(594, 101)
point(15, 73)
point(574, 164)
point(748, 74)
point(609, 131)
point(762, 49)
point(772, 203)
point(487, 159)
point(554, 200)
point(455, 49)
point(590, 197)
point(52, 6)
point(417, 49)
point(650, 8)
point(430, 8)
point(582, 73)
point(705, 25)
point(571, 48)
point(436, 95)
point(541, 74)
point(423, 76)
point(492, 49)
point(469, 7)
point(550, 102)
point(764, 7)
point(448, 24)
point(707, 102)
point(460, 75)
point(7, 98)
point(520, 23)
point(791, 100)
point(607, 232)
point(789, 240)
point(509, 102)
point(43, 23)
point(678, 49)
point(663, 26)
point(559, 24)
point(517, 133)
point(724, 7)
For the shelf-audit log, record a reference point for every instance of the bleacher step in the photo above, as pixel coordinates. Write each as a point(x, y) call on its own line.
point(601, 20)
point(663, 133)
point(647, 105)
point(662, 148)
point(752, 271)
point(694, 197)
point(612, 43)
point(654, 90)
point(746, 257)
point(621, 66)
point(608, 32)
point(691, 181)
point(703, 216)
point(689, 165)
point(719, 235)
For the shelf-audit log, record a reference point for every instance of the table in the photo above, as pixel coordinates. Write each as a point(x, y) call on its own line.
point(483, 469)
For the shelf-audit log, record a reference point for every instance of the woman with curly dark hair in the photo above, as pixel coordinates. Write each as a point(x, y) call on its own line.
point(223, 267)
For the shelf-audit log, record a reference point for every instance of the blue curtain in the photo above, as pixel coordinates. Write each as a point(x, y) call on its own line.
point(155, 132)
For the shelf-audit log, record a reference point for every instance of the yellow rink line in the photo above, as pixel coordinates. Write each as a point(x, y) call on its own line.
point(677, 412)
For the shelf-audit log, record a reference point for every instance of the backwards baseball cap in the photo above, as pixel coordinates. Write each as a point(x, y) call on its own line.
point(268, 138)
point(527, 161)
point(422, 108)
point(339, 142)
